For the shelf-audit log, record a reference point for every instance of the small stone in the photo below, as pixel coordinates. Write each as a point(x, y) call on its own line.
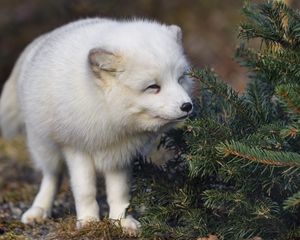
point(16, 211)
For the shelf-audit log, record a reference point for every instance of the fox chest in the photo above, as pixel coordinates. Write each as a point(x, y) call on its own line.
point(119, 154)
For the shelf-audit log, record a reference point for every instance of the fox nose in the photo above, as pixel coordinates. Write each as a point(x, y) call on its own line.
point(186, 107)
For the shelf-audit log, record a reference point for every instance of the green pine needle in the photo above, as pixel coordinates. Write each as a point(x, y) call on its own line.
point(256, 154)
point(289, 96)
point(292, 201)
point(218, 87)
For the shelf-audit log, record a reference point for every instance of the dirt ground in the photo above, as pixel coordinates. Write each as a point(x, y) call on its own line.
point(19, 183)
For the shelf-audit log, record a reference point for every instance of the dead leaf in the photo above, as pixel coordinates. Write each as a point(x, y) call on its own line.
point(209, 237)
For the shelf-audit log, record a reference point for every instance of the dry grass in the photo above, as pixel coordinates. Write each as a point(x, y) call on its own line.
point(19, 183)
point(98, 230)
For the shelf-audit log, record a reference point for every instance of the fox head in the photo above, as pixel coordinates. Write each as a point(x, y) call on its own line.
point(142, 75)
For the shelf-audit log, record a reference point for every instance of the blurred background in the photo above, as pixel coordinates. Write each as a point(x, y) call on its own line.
point(209, 26)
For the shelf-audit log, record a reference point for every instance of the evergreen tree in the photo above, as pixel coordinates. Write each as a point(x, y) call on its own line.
point(237, 175)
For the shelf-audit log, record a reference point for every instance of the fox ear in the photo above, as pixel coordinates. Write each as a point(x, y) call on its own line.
point(176, 30)
point(102, 60)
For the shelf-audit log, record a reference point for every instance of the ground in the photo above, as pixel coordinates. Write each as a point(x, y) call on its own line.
point(19, 182)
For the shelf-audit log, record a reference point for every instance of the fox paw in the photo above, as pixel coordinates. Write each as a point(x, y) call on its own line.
point(34, 215)
point(85, 221)
point(130, 225)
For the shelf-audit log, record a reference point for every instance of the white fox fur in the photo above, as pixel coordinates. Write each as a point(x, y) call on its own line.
point(93, 93)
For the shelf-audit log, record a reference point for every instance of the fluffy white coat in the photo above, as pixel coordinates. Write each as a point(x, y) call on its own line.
point(93, 93)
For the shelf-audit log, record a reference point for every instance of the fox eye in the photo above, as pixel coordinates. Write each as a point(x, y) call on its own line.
point(181, 79)
point(153, 88)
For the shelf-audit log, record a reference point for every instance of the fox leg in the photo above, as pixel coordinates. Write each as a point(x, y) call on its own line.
point(83, 180)
point(117, 190)
point(47, 158)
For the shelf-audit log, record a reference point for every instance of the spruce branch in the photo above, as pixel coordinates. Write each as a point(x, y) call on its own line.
point(292, 131)
point(255, 154)
point(258, 98)
point(215, 199)
point(267, 137)
point(289, 96)
point(218, 87)
point(269, 65)
point(264, 22)
point(273, 22)
point(292, 201)
point(201, 136)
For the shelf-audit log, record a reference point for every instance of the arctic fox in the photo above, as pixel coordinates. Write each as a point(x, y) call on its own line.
point(91, 94)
